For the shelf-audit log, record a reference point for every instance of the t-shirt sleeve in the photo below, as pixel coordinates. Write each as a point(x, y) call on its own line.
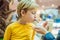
point(7, 33)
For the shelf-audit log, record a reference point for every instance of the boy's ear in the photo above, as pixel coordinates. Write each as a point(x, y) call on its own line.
point(22, 12)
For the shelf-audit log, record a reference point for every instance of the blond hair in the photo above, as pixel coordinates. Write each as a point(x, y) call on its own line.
point(26, 5)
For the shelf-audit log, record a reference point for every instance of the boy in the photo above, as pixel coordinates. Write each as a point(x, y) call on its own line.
point(23, 29)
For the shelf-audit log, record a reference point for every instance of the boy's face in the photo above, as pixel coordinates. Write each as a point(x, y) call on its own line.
point(30, 16)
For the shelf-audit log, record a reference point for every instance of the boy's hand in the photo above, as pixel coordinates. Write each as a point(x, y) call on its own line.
point(41, 30)
point(45, 24)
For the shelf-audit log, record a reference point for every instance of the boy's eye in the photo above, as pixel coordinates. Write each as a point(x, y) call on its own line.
point(33, 13)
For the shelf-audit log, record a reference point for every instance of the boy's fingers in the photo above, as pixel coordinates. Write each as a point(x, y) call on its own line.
point(45, 24)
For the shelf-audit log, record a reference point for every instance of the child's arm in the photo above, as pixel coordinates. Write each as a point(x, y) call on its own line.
point(40, 30)
point(7, 34)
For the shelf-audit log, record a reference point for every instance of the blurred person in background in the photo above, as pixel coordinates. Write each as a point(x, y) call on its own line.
point(13, 15)
point(4, 7)
point(4, 14)
point(2, 26)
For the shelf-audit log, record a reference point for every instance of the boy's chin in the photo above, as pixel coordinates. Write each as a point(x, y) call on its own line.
point(31, 21)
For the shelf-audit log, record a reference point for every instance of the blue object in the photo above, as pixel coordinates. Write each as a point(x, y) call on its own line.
point(50, 16)
point(57, 20)
point(49, 36)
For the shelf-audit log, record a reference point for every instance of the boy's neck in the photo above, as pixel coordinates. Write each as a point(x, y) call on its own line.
point(21, 21)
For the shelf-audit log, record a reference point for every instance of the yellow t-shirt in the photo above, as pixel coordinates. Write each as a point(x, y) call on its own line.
point(17, 31)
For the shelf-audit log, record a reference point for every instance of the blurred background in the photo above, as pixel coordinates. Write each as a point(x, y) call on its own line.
point(49, 11)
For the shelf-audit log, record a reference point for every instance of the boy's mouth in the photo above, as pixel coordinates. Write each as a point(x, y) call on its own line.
point(35, 19)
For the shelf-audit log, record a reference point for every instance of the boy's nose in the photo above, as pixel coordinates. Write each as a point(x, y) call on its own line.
point(34, 16)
